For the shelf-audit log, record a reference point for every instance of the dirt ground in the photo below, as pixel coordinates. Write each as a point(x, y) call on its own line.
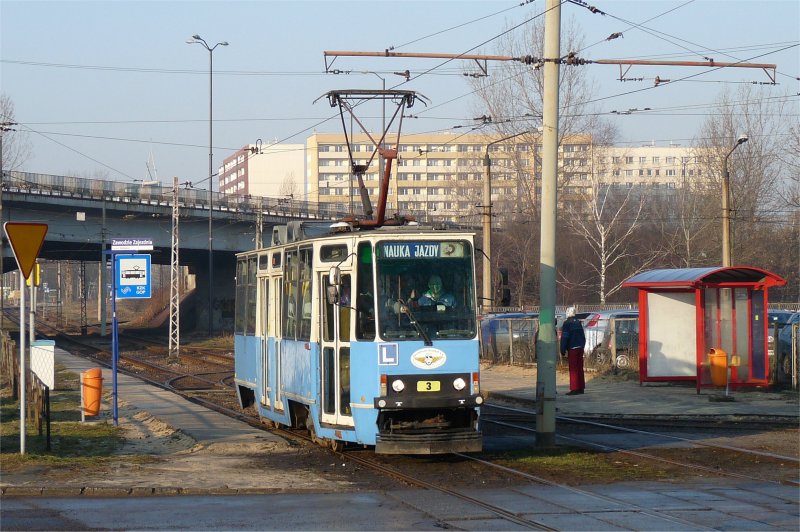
point(157, 455)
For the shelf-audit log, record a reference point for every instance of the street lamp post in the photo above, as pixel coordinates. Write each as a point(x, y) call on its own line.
point(488, 300)
point(196, 39)
point(5, 127)
point(726, 211)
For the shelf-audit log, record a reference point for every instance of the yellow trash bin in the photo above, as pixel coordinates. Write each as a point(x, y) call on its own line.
point(718, 360)
point(92, 391)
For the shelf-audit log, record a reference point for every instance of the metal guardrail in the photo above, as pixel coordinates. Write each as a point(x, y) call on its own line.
point(143, 193)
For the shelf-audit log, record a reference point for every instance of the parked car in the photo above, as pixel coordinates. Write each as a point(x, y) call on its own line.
point(596, 327)
point(510, 336)
point(784, 349)
point(775, 319)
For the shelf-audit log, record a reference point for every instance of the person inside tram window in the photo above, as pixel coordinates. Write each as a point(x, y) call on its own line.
point(436, 295)
point(403, 289)
point(344, 292)
point(365, 305)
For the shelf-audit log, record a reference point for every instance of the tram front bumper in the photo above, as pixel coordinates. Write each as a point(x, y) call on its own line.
point(436, 443)
point(417, 401)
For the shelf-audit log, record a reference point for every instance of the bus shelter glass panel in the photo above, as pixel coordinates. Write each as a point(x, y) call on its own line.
point(742, 339)
point(758, 323)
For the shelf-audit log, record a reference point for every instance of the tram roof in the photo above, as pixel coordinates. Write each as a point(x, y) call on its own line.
point(296, 232)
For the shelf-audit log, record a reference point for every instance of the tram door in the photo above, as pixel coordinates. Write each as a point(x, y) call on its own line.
point(335, 364)
point(265, 331)
point(277, 313)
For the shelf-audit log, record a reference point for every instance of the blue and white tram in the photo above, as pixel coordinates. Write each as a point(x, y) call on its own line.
point(332, 334)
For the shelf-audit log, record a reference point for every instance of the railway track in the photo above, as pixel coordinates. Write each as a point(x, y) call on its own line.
point(524, 420)
point(209, 384)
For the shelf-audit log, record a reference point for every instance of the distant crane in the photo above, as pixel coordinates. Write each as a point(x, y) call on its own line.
point(152, 173)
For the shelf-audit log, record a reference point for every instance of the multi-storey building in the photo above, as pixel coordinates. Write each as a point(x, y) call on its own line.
point(441, 176)
point(436, 176)
point(277, 170)
point(653, 166)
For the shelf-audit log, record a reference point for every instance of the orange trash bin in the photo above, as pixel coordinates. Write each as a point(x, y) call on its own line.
point(718, 360)
point(92, 391)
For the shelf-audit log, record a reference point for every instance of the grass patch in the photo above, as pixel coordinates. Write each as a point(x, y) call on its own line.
point(74, 445)
point(572, 465)
point(218, 342)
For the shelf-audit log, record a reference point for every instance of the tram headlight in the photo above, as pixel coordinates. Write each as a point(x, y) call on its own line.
point(398, 386)
point(459, 384)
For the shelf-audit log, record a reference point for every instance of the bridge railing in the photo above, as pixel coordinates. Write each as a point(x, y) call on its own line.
point(146, 193)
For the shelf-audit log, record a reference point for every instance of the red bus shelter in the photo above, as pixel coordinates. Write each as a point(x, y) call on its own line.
point(691, 317)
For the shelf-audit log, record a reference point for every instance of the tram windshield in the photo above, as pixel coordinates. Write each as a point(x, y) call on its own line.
point(426, 290)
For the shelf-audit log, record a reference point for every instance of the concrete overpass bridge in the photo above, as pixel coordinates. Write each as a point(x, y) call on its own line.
point(84, 215)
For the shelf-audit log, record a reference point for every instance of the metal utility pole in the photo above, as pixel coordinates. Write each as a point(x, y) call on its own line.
point(726, 210)
point(259, 226)
point(196, 39)
point(82, 280)
point(547, 349)
point(488, 300)
point(22, 371)
point(487, 233)
point(174, 283)
point(59, 309)
point(4, 128)
point(101, 278)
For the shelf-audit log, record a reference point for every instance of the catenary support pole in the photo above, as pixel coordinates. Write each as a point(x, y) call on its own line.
point(101, 290)
point(487, 234)
point(547, 348)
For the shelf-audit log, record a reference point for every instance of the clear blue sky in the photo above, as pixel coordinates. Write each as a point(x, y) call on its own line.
point(104, 83)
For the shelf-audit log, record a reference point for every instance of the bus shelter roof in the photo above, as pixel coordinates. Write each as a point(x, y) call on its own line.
point(694, 277)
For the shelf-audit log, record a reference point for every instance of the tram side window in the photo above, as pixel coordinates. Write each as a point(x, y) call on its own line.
point(297, 294)
point(327, 313)
point(290, 276)
point(365, 301)
point(304, 332)
point(252, 286)
point(241, 296)
point(345, 310)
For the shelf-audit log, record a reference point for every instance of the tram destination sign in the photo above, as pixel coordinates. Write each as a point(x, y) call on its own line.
point(131, 244)
point(421, 250)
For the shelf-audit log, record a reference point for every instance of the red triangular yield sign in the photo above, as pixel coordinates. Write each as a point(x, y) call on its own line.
point(26, 241)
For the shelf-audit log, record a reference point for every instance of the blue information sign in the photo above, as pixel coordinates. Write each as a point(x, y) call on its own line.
point(132, 276)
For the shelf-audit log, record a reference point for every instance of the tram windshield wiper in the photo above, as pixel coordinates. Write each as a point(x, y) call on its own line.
point(407, 311)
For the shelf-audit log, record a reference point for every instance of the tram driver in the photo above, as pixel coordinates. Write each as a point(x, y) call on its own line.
point(435, 295)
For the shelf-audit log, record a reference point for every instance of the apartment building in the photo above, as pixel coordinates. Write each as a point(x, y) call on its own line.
point(276, 170)
point(653, 166)
point(440, 176)
point(435, 177)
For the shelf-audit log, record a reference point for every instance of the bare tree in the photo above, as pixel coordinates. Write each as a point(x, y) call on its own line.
point(757, 168)
point(791, 160)
point(510, 100)
point(288, 187)
point(606, 219)
point(512, 94)
point(16, 147)
point(686, 224)
point(517, 250)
